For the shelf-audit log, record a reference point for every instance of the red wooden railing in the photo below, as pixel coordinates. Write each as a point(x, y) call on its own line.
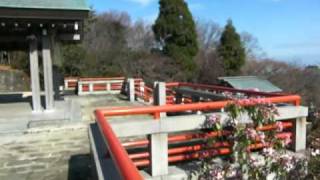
point(99, 85)
point(144, 92)
point(156, 110)
point(126, 163)
point(221, 89)
point(71, 83)
point(147, 95)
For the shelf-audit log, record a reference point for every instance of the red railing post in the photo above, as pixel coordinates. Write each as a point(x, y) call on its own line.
point(124, 164)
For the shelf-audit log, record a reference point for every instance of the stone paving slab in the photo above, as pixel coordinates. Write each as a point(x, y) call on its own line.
point(51, 150)
point(89, 104)
point(56, 155)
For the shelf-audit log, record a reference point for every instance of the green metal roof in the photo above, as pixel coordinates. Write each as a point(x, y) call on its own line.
point(250, 82)
point(45, 4)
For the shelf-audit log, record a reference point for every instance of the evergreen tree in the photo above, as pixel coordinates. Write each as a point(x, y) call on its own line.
point(176, 33)
point(73, 56)
point(231, 50)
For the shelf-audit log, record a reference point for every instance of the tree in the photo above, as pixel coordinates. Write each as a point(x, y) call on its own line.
point(209, 33)
point(252, 47)
point(73, 59)
point(19, 60)
point(210, 65)
point(231, 50)
point(106, 44)
point(292, 78)
point(140, 37)
point(175, 31)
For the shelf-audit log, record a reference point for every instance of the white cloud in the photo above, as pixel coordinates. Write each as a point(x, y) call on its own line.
point(142, 2)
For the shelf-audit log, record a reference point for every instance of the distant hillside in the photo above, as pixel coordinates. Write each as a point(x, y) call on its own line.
point(13, 80)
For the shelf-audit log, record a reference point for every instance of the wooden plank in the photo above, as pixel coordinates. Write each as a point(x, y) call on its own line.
point(43, 14)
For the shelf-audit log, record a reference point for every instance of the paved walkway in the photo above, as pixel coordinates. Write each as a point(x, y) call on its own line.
point(52, 149)
point(58, 154)
point(90, 103)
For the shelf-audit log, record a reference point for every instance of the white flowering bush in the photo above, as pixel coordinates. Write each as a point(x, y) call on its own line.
point(257, 149)
point(314, 164)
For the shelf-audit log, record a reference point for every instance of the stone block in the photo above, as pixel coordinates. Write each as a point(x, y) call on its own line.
point(38, 167)
point(14, 164)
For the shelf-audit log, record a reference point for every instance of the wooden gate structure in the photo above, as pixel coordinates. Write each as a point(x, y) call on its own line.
point(35, 25)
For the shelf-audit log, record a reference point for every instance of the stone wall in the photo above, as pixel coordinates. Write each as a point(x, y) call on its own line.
point(61, 154)
point(13, 80)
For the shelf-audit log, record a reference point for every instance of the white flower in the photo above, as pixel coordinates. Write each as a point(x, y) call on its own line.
point(219, 176)
point(315, 152)
point(262, 137)
point(279, 126)
point(269, 151)
point(288, 167)
point(251, 133)
point(287, 161)
point(217, 173)
point(256, 162)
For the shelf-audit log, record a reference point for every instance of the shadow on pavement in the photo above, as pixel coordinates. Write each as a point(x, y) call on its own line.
point(80, 167)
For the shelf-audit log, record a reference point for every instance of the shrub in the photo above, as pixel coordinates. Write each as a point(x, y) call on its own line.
point(247, 136)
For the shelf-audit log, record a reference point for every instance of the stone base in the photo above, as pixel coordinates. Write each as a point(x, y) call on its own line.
point(175, 173)
point(18, 117)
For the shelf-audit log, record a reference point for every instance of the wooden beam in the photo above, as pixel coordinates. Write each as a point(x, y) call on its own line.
point(10, 39)
point(13, 28)
point(77, 15)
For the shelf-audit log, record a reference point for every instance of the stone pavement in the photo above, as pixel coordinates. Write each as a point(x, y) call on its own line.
point(61, 154)
point(92, 102)
point(55, 149)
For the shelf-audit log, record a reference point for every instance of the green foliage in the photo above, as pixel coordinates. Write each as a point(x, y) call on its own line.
point(73, 59)
point(176, 32)
point(231, 50)
point(20, 60)
point(103, 51)
point(113, 46)
point(313, 167)
point(246, 137)
point(106, 44)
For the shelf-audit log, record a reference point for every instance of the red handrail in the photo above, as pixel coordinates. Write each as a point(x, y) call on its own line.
point(124, 164)
point(220, 88)
point(193, 136)
point(122, 160)
point(101, 78)
point(155, 110)
point(203, 147)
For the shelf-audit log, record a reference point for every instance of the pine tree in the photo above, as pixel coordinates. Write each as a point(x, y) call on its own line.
point(231, 50)
point(176, 33)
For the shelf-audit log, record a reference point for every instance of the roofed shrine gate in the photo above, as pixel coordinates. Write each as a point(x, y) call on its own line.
point(35, 25)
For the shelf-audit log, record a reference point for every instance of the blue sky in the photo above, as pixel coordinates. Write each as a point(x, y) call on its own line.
point(286, 29)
